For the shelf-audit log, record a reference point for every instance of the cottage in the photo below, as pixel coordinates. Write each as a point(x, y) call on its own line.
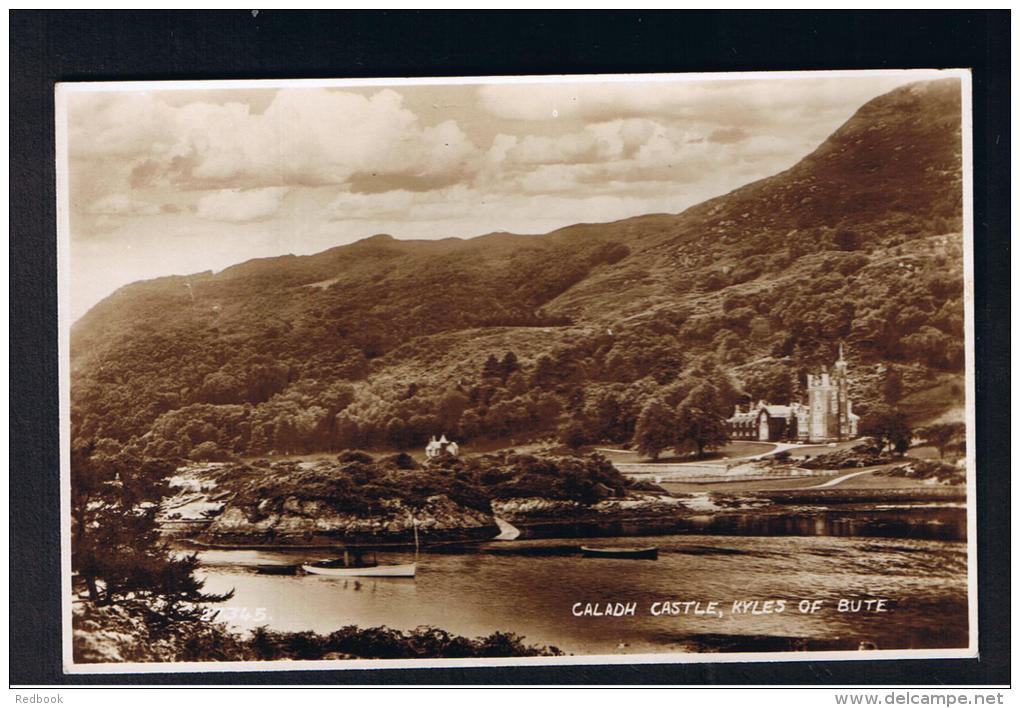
point(440, 447)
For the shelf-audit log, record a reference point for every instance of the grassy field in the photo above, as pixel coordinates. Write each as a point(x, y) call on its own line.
point(942, 402)
point(823, 449)
point(865, 481)
point(736, 448)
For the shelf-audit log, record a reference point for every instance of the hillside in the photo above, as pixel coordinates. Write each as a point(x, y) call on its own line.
point(385, 341)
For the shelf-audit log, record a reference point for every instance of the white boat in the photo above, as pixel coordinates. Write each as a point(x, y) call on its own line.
point(507, 531)
point(364, 564)
point(404, 570)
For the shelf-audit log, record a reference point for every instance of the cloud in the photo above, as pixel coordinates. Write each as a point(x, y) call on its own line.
point(609, 156)
point(180, 181)
point(727, 136)
point(122, 205)
point(353, 205)
point(241, 205)
point(744, 102)
point(306, 137)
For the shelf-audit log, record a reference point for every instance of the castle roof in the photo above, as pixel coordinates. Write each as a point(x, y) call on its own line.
point(771, 410)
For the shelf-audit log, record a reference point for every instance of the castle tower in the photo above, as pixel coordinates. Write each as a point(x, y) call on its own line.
point(842, 402)
point(819, 391)
point(831, 416)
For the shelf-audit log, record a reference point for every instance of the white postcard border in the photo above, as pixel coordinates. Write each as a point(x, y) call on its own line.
point(63, 90)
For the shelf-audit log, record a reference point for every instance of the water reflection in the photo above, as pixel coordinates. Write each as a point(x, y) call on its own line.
point(922, 522)
point(531, 588)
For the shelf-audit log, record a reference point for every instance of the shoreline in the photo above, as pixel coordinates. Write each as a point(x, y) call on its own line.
point(459, 510)
point(941, 517)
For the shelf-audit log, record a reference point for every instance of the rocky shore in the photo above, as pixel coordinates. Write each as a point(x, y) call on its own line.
point(363, 502)
point(297, 522)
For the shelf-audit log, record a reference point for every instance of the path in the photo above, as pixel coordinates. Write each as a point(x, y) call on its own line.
point(843, 478)
point(663, 471)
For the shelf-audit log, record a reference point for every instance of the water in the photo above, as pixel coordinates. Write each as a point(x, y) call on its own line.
point(531, 588)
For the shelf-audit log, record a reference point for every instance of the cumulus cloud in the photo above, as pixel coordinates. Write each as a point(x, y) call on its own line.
point(241, 205)
point(304, 137)
point(265, 171)
point(354, 205)
point(610, 155)
point(122, 205)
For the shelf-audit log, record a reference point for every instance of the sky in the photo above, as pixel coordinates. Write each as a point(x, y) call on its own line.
point(165, 179)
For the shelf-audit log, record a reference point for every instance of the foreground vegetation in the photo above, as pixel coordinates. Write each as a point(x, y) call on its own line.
point(140, 602)
point(130, 633)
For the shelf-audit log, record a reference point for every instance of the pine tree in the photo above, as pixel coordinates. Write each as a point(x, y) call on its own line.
point(508, 365)
point(490, 369)
point(116, 549)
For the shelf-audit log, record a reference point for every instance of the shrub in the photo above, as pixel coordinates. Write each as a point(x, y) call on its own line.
point(355, 456)
point(846, 240)
point(209, 451)
point(400, 461)
point(941, 472)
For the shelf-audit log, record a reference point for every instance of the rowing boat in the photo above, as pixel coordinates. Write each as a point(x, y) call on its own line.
point(362, 563)
point(649, 553)
point(404, 570)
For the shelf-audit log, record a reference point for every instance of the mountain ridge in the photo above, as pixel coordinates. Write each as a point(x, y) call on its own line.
point(765, 278)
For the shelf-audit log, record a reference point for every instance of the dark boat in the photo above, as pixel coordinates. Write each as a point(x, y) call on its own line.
point(277, 569)
point(650, 553)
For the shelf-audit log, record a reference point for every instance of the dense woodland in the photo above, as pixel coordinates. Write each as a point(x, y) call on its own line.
point(576, 334)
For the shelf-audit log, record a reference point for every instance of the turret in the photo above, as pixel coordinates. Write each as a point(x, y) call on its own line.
point(840, 366)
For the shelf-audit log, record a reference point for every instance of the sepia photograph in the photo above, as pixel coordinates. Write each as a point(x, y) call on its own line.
point(516, 370)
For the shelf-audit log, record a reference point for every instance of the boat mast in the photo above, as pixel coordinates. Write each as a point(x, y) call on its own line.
point(414, 524)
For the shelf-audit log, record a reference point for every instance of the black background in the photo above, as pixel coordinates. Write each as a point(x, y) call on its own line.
point(47, 47)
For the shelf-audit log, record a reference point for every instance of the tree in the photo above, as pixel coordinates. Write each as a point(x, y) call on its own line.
point(847, 240)
point(605, 419)
point(209, 451)
point(397, 434)
point(655, 429)
point(699, 429)
point(943, 436)
point(892, 385)
point(116, 548)
point(490, 369)
point(889, 428)
point(573, 434)
point(717, 397)
point(775, 386)
point(508, 365)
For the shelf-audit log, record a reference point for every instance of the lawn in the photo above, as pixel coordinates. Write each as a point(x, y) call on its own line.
point(733, 449)
point(864, 481)
point(823, 448)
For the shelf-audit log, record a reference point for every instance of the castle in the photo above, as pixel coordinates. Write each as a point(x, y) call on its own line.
point(827, 416)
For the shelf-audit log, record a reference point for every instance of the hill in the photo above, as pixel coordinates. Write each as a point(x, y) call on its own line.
point(385, 341)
